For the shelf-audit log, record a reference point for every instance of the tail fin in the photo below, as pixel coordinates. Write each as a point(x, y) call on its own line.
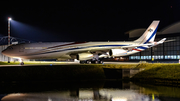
point(149, 34)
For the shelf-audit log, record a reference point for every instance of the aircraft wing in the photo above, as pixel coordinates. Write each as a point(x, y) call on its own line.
point(99, 50)
point(89, 51)
point(170, 40)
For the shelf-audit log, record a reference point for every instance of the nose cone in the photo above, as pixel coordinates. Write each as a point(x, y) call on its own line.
point(8, 51)
point(4, 52)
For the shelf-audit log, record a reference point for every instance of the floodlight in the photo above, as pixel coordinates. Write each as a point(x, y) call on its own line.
point(9, 18)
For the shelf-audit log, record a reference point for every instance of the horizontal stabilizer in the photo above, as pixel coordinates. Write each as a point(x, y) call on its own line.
point(161, 41)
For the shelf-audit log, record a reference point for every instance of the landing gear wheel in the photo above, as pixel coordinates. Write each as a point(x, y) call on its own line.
point(96, 62)
point(22, 63)
point(100, 62)
point(81, 62)
point(88, 62)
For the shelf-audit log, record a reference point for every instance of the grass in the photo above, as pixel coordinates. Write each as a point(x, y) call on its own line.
point(149, 71)
point(162, 71)
point(120, 66)
point(44, 71)
point(51, 73)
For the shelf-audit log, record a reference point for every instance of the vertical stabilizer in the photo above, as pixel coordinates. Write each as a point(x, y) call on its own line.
point(149, 34)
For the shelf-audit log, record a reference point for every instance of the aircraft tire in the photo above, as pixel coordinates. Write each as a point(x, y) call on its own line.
point(96, 62)
point(100, 62)
point(88, 62)
point(81, 62)
point(22, 63)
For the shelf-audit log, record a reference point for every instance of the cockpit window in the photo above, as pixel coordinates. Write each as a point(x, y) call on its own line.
point(10, 47)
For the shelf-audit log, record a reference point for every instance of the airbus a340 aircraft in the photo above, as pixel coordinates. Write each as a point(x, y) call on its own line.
point(86, 52)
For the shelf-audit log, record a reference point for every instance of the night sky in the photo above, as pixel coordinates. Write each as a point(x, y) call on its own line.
point(83, 20)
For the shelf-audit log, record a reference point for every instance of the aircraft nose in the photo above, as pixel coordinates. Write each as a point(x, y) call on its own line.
point(8, 51)
point(4, 52)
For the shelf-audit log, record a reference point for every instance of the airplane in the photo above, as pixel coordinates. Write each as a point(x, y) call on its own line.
point(85, 52)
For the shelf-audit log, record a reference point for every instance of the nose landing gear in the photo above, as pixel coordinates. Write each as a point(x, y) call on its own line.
point(22, 63)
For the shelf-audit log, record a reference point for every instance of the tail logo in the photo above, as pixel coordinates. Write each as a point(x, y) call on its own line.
point(150, 30)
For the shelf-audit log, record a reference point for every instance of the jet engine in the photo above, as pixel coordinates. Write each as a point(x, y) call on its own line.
point(117, 52)
point(84, 56)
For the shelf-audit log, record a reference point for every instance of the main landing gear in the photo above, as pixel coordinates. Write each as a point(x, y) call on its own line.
point(91, 62)
point(22, 63)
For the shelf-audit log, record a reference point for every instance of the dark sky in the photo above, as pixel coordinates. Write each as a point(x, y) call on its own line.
point(84, 20)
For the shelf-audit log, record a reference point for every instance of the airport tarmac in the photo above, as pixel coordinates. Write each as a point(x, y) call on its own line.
point(104, 62)
point(67, 63)
point(38, 63)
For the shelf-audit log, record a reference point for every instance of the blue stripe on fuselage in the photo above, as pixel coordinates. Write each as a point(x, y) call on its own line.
point(142, 47)
point(81, 47)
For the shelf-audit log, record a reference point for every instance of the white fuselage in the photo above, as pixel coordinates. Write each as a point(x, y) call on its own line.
point(61, 49)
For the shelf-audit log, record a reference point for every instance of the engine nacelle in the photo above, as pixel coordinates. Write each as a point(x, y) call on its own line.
point(84, 56)
point(117, 52)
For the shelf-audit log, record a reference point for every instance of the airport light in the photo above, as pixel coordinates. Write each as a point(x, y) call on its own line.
point(9, 20)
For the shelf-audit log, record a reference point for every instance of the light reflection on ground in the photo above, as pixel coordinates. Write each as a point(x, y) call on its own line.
point(120, 92)
point(83, 95)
